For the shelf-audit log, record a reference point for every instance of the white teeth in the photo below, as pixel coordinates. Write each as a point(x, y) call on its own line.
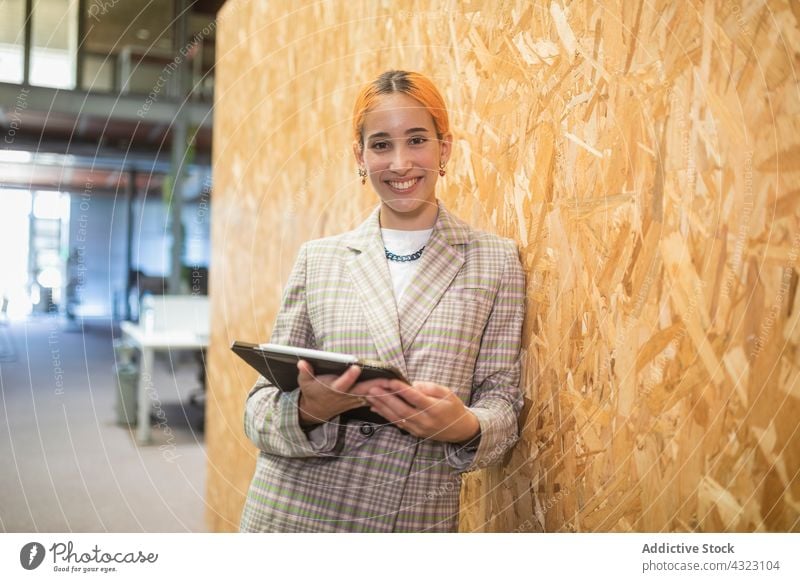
point(403, 185)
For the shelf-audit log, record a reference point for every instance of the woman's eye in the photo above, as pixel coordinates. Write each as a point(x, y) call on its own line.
point(418, 140)
point(380, 145)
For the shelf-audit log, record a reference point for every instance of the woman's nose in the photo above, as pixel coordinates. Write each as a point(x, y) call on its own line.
point(401, 159)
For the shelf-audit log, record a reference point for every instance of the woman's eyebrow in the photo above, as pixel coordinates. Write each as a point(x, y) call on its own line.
point(408, 131)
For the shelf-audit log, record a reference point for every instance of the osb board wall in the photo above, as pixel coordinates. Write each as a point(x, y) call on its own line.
point(645, 155)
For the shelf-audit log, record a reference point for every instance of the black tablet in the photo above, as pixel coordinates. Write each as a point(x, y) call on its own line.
point(278, 363)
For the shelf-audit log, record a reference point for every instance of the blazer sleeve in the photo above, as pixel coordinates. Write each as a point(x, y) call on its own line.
point(496, 398)
point(271, 418)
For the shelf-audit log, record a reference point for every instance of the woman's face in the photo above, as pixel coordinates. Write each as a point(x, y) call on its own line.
point(401, 155)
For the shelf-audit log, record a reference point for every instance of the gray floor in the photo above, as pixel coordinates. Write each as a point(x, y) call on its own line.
point(67, 466)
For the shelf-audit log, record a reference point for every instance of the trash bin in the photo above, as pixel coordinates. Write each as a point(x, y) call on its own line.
point(127, 373)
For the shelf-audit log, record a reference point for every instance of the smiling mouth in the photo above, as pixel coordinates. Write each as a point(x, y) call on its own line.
point(403, 185)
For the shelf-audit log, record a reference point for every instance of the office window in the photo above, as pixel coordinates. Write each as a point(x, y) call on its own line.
point(12, 40)
point(54, 44)
point(126, 44)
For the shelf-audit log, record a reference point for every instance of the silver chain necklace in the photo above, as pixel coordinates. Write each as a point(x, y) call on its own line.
point(403, 258)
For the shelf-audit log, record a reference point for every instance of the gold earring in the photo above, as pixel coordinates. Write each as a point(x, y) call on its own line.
point(441, 168)
point(363, 173)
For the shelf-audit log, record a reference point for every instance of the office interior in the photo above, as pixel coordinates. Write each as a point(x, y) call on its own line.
point(105, 202)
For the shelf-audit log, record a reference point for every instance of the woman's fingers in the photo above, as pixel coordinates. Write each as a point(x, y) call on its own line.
point(414, 397)
point(305, 373)
point(344, 382)
point(425, 409)
point(411, 397)
point(341, 383)
point(431, 389)
point(363, 388)
point(379, 405)
point(391, 403)
point(305, 367)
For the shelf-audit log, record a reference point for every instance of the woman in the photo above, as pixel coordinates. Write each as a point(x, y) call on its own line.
point(412, 286)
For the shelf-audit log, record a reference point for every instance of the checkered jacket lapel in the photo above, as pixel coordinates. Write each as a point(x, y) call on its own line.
point(439, 264)
point(371, 278)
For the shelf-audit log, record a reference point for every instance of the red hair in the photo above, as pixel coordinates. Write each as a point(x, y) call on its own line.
point(412, 84)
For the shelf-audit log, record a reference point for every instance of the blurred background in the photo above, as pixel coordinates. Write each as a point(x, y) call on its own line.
point(105, 198)
point(110, 102)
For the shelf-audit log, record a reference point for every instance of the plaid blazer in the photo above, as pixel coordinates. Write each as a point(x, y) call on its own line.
point(458, 324)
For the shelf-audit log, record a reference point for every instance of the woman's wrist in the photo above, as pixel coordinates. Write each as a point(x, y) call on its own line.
point(471, 430)
point(306, 419)
point(309, 417)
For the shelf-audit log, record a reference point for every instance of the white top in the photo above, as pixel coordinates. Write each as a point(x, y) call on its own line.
point(403, 242)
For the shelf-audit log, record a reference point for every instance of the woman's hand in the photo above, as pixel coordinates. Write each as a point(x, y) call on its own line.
point(425, 409)
point(323, 397)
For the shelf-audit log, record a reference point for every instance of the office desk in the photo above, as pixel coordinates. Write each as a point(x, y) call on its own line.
point(148, 343)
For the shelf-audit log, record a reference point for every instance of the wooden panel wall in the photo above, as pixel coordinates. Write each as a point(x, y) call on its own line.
point(646, 157)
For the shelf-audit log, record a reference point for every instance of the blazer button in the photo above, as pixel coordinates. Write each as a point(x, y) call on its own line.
point(367, 429)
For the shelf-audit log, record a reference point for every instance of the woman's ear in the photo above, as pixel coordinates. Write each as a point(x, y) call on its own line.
point(358, 152)
point(445, 147)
